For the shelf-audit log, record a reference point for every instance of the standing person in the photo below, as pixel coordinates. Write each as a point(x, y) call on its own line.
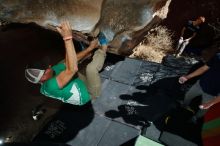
point(188, 32)
point(208, 85)
point(60, 81)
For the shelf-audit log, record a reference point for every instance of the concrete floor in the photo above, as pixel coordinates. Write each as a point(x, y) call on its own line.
point(125, 106)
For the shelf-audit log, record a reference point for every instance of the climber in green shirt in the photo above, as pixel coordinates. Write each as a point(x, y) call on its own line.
point(61, 81)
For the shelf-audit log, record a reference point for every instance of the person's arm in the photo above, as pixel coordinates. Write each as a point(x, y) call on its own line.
point(196, 73)
point(210, 103)
point(70, 58)
point(190, 38)
point(84, 53)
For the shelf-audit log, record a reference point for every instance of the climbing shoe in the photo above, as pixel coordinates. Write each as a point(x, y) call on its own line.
point(102, 39)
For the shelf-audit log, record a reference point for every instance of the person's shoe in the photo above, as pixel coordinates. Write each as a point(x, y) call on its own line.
point(102, 39)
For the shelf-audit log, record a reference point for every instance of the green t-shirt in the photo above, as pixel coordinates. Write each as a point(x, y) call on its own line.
point(75, 92)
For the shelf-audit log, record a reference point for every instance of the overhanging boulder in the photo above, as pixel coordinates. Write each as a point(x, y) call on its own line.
point(121, 21)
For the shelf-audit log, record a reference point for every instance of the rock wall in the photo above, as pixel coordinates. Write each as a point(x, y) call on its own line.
point(117, 19)
point(120, 20)
point(82, 14)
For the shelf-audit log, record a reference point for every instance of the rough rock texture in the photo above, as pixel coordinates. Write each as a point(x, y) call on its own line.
point(82, 14)
point(123, 20)
point(117, 19)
